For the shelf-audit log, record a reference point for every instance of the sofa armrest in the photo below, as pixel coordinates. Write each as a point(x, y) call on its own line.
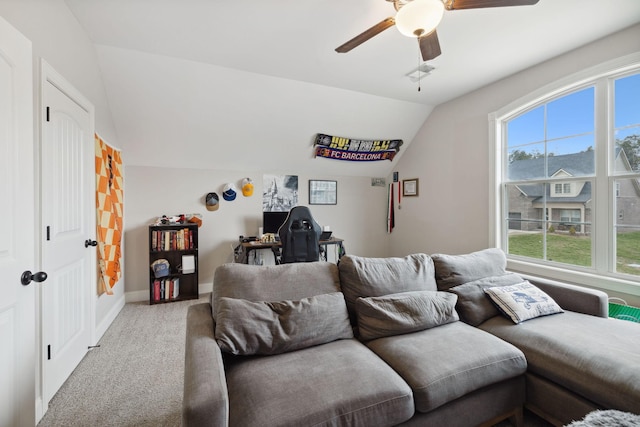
point(205, 399)
point(573, 297)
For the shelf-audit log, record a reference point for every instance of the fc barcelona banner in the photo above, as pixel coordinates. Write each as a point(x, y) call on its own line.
point(358, 150)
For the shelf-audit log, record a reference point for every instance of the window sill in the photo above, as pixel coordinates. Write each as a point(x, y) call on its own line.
point(588, 279)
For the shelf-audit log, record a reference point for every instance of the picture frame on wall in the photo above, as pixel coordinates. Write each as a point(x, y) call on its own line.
point(410, 187)
point(323, 192)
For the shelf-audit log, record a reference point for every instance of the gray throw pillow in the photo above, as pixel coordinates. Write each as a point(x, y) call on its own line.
point(263, 328)
point(404, 312)
point(454, 270)
point(474, 306)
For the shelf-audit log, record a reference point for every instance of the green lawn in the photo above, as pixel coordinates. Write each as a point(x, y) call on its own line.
point(576, 250)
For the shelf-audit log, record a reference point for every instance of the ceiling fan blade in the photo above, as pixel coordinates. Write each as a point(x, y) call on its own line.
point(429, 46)
point(477, 4)
point(366, 35)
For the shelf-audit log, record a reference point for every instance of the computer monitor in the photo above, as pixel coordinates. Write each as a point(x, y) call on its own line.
point(271, 221)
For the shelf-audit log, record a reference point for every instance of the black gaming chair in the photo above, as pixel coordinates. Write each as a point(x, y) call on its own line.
point(299, 237)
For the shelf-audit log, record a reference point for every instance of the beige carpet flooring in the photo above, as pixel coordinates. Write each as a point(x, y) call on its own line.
point(135, 377)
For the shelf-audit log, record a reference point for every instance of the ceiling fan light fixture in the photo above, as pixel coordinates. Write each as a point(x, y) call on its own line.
point(419, 17)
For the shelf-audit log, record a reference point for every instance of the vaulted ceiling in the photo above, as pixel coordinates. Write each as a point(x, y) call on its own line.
point(246, 85)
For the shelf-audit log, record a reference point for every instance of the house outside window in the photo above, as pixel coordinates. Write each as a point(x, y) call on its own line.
point(571, 177)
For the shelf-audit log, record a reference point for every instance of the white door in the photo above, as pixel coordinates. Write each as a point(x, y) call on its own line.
point(68, 220)
point(17, 241)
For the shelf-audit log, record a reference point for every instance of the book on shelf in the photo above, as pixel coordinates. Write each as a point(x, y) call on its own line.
point(172, 240)
point(154, 240)
point(156, 290)
point(166, 289)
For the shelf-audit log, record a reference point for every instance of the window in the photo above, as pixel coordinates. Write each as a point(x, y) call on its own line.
point(568, 177)
point(562, 189)
point(570, 215)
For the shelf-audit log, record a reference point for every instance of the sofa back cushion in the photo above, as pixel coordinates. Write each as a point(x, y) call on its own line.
point(374, 277)
point(454, 270)
point(273, 282)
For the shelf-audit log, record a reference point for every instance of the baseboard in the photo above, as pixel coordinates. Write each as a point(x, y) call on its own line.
point(139, 296)
point(41, 409)
point(109, 318)
point(205, 289)
point(136, 296)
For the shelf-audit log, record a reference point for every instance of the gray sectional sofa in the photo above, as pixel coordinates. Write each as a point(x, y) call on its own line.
point(415, 340)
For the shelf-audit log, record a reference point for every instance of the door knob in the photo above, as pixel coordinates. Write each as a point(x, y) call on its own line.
point(90, 242)
point(27, 277)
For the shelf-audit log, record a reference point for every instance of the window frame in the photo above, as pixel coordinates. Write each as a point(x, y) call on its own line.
point(601, 274)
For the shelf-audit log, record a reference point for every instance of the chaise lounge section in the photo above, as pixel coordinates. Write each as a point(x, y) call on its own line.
point(579, 360)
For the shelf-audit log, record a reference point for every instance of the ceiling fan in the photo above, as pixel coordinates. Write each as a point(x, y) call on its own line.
point(419, 19)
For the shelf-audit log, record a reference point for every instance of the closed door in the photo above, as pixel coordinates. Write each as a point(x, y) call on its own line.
point(17, 241)
point(68, 221)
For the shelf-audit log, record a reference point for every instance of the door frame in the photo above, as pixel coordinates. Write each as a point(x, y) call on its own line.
point(18, 253)
point(49, 75)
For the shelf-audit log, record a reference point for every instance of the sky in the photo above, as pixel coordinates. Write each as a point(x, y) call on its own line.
point(570, 120)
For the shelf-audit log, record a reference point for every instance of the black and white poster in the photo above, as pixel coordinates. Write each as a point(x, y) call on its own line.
point(280, 192)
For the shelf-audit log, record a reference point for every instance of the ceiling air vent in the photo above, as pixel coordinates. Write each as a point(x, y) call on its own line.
point(420, 72)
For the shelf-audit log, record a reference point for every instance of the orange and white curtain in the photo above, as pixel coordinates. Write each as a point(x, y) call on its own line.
point(109, 198)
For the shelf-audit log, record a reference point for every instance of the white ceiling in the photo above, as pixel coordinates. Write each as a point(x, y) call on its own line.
point(212, 75)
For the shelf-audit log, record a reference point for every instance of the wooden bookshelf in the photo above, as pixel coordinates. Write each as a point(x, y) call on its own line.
point(178, 244)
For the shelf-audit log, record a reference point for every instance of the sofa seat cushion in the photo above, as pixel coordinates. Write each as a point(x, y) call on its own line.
point(597, 358)
point(341, 383)
point(447, 362)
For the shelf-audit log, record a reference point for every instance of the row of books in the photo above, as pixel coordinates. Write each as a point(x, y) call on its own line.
point(166, 289)
point(172, 240)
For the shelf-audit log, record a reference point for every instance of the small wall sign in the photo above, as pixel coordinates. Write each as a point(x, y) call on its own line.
point(410, 187)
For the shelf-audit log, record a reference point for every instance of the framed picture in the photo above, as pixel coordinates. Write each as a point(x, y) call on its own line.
point(323, 192)
point(410, 187)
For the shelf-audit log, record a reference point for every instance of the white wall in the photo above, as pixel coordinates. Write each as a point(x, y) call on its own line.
point(450, 155)
point(60, 40)
point(358, 217)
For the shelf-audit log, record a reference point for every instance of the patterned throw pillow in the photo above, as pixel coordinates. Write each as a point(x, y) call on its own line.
point(523, 301)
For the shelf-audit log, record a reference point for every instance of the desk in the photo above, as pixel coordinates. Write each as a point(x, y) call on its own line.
point(242, 251)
